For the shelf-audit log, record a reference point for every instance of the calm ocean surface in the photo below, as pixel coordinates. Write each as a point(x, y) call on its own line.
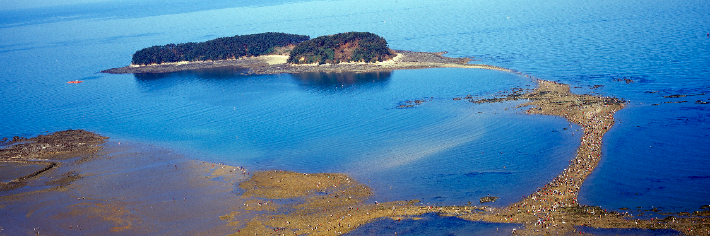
point(441, 152)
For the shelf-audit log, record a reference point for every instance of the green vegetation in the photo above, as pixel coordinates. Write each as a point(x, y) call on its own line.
point(217, 49)
point(344, 47)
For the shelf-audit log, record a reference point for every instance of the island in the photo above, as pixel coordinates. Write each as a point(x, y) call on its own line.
point(276, 53)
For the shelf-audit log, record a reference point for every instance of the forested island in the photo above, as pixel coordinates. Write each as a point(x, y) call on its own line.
point(275, 53)
point(343, 47)
point(218, 49)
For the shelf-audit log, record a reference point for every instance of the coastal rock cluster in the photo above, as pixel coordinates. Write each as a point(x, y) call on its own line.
point(50, 146)
point(44, 153)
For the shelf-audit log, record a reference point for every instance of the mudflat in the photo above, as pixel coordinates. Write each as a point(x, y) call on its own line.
point(121, 189)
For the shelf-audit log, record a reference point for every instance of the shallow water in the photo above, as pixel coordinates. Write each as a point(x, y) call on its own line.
point(14, 171)
point(431, 224)
point(657, 232)
point(442, 152)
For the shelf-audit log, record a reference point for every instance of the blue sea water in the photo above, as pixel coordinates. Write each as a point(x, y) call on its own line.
point(430, 224)
point(441, 152)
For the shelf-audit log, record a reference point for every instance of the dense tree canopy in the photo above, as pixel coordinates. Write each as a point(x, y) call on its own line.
point(344, 47)
point(217, 49)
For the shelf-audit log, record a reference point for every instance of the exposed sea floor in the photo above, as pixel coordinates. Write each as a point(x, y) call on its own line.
point(440, 152)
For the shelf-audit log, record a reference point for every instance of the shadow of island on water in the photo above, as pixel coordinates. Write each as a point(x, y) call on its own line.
point(310, 81)
point(322, 81)
point(207, 73)
point(160, 81)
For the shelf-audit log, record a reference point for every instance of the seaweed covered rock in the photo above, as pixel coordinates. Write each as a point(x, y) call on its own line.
point(488, 199)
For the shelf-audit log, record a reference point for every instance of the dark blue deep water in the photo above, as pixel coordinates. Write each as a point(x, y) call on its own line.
point(441, 152)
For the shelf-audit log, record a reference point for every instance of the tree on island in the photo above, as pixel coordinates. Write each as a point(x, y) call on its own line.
point(217, 49)
point(343, 47)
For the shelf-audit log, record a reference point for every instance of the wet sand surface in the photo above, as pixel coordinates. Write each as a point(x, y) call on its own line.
point(123, 189)
point(34, 156)
point(115, 188)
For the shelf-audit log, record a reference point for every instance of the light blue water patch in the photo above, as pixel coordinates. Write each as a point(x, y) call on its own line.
point(493, 153)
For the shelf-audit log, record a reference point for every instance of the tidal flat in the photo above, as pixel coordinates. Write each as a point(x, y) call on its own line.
point(95, 186)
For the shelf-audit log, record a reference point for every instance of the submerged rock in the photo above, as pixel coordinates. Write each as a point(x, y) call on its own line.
point(488, 199)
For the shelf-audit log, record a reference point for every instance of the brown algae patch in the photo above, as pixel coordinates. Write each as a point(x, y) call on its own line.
point(284, 184)
point(58, 145)
point(313, 204)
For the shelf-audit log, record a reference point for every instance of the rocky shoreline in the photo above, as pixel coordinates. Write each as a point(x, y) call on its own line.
point(261, 65)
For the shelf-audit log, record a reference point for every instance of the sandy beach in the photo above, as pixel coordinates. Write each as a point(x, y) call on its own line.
point(79, 182)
